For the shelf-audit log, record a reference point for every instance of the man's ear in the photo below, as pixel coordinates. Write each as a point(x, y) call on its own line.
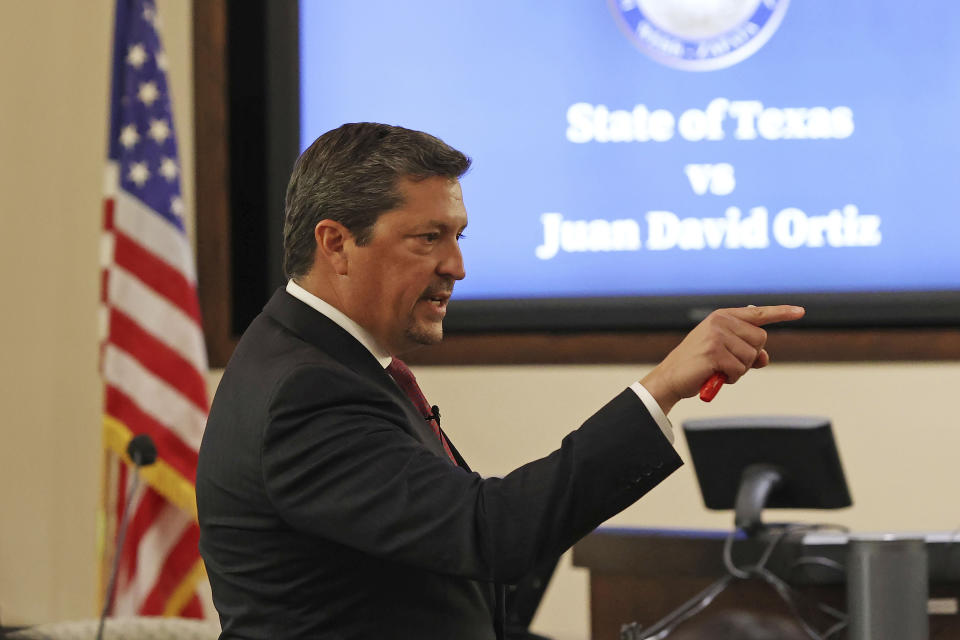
point(332, 240)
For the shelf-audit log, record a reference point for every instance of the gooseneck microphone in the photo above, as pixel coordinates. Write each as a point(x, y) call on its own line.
point(142, 450)
point(143, 453)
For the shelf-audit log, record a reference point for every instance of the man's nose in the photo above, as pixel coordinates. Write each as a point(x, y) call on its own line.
point(452, 263)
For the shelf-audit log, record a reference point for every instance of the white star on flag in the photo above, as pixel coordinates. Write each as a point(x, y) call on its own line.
point(148, 93)
point(129, 136)
point(152, 16)
point(176, 205)
point(139, 173)
point(161, 58)
point(159, 130)
point(137, 55)
point(168, 168)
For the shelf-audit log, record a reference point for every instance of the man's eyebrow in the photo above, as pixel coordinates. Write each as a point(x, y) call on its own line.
point(434, 224)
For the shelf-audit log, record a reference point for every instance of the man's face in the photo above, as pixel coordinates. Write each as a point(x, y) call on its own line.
point(401, 280)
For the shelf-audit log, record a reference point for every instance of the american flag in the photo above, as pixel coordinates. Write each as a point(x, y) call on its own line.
point(153, 358)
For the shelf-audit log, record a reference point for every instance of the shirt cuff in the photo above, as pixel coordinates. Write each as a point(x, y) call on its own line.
point(651, 404)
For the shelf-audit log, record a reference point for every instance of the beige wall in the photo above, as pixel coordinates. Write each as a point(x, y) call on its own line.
point(897, 433)
point(54, 83)
point(897, 429)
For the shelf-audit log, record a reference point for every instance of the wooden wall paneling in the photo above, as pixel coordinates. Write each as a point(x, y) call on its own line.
point(784, 345)
point(212, 177)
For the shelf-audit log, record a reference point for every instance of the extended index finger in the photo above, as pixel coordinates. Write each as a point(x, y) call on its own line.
point(759, 316)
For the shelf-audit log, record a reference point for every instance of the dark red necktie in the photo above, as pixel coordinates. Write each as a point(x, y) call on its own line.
point(404, 377)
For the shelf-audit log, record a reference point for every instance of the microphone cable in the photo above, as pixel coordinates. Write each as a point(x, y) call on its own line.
point(666, 625)
point(143, 453)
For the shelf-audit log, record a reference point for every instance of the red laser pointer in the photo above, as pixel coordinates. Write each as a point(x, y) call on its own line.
point(711, 387)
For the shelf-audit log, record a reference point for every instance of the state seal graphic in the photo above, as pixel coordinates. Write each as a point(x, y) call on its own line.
point(699, 35)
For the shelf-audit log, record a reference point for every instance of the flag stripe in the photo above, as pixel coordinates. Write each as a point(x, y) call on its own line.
point(157, 547)
point(107, 243)
point(157, 315)
point(162, 477)
point(156, 274)
point(188, 589)
point(163, 403)
point(119, 492)
point(155, 527)
point(140, 520)
point(205, 595)
point(138, 221)
point(193, 608)
point(177, 567)
point(158, 359)
point(180, 456)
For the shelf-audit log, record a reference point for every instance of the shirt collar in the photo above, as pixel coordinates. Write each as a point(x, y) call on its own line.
point(340, 318)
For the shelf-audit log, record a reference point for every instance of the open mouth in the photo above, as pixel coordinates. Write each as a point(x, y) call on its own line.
point(438, 300)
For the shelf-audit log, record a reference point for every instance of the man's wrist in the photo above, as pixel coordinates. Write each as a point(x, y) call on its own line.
point(663, 396)
point(653, 407)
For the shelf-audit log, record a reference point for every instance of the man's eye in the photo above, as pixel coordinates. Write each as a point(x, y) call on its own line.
point(430, 237)
point(461, 235)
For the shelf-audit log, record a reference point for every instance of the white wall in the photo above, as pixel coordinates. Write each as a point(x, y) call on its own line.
point(896, 423)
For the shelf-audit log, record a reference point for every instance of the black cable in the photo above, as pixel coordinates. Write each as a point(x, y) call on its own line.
point(745, 573)
point(817, 560)
point(787, 593)
point(840, 626)
point(732, 569)
point(666, 625)
point(790, 596)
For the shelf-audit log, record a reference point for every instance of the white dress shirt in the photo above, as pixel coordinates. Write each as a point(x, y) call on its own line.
point(384, 358)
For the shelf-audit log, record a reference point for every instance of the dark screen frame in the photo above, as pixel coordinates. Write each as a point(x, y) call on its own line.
point(239, 260)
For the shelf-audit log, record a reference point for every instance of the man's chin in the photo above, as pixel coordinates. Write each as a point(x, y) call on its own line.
point(425, 335)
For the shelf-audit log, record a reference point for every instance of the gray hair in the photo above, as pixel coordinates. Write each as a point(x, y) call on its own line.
point(350, 175)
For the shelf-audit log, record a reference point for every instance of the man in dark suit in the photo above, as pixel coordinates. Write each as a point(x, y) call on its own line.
point(331, 504)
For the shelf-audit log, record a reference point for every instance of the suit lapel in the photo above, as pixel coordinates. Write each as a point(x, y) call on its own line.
point(456, 454)
point(321, 332)
point(332, 339)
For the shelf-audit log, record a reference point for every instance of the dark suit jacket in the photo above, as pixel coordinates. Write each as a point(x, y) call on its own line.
point(328, 508)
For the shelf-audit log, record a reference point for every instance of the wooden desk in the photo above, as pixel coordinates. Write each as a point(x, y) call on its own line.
point(642, 575)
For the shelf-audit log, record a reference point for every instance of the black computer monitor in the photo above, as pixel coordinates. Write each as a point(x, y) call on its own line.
point(757, 462)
